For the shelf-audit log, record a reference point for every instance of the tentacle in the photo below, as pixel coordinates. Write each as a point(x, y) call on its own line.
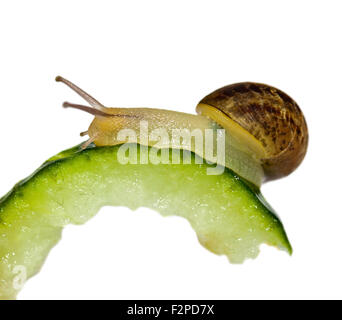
point(95, 112)
point(92, 101)
point(88, 142)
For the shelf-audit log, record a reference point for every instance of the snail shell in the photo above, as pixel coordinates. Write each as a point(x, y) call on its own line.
point(269, 115)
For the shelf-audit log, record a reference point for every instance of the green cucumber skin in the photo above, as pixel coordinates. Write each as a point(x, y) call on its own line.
point(228, 215)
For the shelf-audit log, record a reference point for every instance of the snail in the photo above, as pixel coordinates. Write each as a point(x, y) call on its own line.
point(266, 132)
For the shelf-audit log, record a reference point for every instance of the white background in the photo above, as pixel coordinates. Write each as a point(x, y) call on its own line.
point(170, 54)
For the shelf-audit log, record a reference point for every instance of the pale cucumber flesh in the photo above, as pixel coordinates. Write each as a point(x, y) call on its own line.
point(228, 215)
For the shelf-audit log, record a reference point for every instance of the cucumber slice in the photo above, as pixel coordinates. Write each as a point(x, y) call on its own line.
point(229, 215)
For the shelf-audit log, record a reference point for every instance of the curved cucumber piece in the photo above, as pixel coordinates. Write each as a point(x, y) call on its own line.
point(228, 216)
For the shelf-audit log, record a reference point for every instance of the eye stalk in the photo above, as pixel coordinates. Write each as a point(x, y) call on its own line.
point(93, 111)
point(264, 118)
point(86, 96)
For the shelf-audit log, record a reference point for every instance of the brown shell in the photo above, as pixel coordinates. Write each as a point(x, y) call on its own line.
point(272, 117)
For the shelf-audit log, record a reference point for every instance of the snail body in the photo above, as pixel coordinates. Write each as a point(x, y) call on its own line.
point(266, 133)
